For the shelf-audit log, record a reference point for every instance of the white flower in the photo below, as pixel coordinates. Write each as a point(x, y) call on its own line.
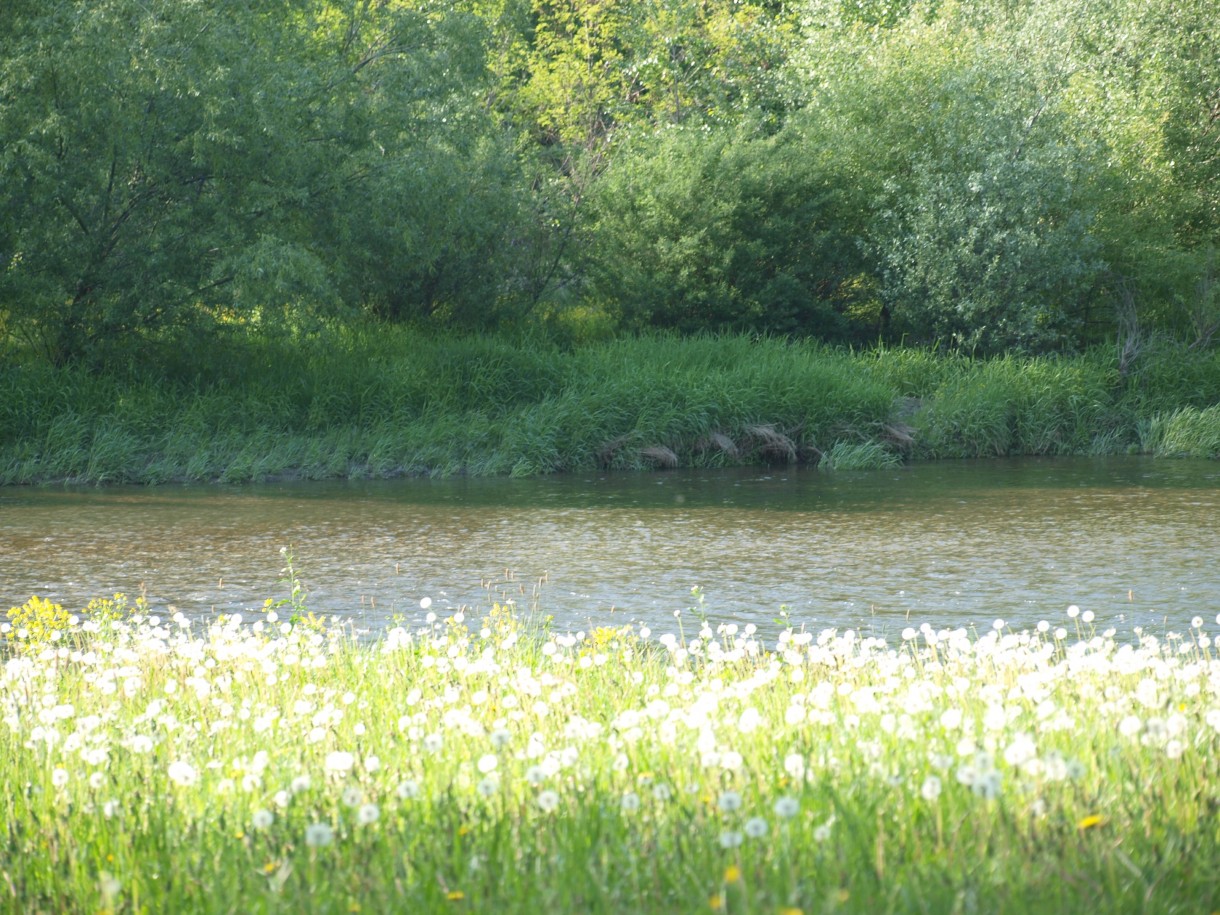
point(661, 792)
point(487, 763)
point(500, 738)
point(730, 801)
point(433, 743)
point(262, 819)
point(59, 777)
point(786, 807)
point(339, 762)
point(425, 603)
point(318, 834)
point(630, 802)
point(300, 783)
point(931, 788)
point(535, 775)
point(183, 773)
point(109, 885)
point(730, 838)
point(352, 796)
point(822, 833)
point(548, 800)
point(756, 827)
point(368, 814)
point(408, 789)
point(489, 786)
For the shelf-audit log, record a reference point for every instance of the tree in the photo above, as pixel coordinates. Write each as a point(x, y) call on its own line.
point(978, 233)
point(699, 229)
point(169, 164)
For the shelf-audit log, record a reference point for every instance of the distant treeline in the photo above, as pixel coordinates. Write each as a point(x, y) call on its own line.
point(990, 176)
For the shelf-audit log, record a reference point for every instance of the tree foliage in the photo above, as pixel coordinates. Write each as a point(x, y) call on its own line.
point(997, 174)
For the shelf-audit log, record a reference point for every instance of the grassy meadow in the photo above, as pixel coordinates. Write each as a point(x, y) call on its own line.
point(383, 402)
point(483, 763)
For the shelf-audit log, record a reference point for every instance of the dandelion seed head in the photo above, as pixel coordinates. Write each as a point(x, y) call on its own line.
point(729, 801)
point(731, 838)
point(786, 807)
point(319, 834)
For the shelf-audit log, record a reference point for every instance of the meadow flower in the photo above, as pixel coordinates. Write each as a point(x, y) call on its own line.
point(182, 773)
point(822, 832)
point(661, 792)
point(319, 834)
point(262, 819)
point(59, 777)
point(729, 801)
point(433, 743)
point(535, 775)
point(786, 807)
point(630, 802)
point(548, 800)
point(339, 762)
point(931, 788)
point(487, 763)
point(408, 789)
point(368, 814)
point(731, 838)
point(489, 785)
point(300, 783)
point(755, 827)
point(352, 796)
point(109, 886)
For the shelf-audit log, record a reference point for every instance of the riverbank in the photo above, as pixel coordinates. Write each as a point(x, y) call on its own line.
point(484, 763)
point(385, 402)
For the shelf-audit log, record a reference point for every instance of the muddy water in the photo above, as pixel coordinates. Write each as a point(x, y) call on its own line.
point(1136, 541)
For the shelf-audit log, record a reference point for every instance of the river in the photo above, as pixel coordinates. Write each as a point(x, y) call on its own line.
point(1134, 540)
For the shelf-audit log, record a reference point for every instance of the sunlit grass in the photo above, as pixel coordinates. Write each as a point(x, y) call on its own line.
point(483, 763)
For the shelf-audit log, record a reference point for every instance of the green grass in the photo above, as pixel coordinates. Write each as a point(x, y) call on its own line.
point(482, 763)
point(379, 402)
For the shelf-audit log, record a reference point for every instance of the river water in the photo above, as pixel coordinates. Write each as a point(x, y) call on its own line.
point(1135, 540)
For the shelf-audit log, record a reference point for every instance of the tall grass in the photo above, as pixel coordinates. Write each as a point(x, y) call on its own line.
point(389, 401)
point(481, 763)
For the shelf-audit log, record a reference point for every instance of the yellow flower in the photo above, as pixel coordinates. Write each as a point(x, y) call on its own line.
point(732, 874)
point(455, 895)
point(716, 903)
point(790, 910)
point(1090, 821)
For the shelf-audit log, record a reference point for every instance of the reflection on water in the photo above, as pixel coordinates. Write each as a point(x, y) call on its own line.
point(1135, 540)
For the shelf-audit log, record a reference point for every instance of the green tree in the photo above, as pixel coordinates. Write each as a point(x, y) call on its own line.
point(978, 233)
point(169, 165)
point(699, 229)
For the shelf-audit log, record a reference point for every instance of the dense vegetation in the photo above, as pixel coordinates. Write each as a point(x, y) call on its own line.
point(480, 763)
point(392, 402)
point(997, 176)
